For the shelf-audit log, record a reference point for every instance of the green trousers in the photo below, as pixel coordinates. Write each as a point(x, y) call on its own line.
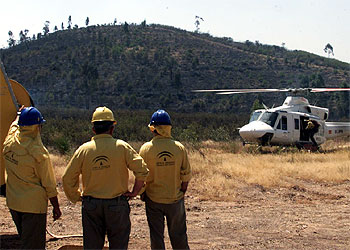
point(176, 221)
point(106, 216)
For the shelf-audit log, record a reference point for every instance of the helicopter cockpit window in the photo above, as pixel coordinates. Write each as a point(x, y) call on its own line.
point(255, 115)
point(269, 118)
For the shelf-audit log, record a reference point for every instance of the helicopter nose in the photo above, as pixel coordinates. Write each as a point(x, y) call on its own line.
point(254, 130)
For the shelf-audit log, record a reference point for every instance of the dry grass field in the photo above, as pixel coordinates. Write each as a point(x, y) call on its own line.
point(239, 198)
point(220, 174)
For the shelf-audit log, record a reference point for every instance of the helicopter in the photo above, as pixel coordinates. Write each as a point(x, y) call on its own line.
point(286, 125)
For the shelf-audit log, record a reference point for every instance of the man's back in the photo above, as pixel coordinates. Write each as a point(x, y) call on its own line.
point(168, 164)
point(30, 176)
point(103, 163)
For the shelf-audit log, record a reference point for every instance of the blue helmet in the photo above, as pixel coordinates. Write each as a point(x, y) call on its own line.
point(160, 117)
point(30, 116)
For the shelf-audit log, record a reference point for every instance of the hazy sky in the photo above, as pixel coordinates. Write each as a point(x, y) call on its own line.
point(300, 24)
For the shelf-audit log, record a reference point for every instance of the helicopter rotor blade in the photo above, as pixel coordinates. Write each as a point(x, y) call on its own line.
point(291, 90)
point(236, 91)
point(328, 89)
point(211, 90)
point(245, 91)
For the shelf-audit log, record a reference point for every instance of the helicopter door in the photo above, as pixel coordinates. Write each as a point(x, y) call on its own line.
point(304, 136)
point(282, 131)
point(296, 130)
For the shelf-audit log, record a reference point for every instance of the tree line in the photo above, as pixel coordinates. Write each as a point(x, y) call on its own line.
point(24, 38)
point(66, 129)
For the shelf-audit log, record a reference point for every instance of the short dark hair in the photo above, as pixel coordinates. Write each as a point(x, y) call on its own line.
point(102, 126)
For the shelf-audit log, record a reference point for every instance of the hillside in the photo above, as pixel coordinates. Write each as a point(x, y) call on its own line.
point(151, 66)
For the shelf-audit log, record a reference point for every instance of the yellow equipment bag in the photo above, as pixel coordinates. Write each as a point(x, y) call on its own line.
point(8, 110)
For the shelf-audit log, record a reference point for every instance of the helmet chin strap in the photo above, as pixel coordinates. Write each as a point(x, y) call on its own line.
point(155, 132)
point(152, 128)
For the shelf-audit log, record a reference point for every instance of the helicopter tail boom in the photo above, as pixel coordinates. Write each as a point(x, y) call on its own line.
point(337, 129)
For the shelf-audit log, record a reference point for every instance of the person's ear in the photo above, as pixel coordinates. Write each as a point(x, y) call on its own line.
point(111, 129)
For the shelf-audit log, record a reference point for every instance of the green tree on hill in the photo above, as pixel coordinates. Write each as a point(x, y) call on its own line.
point(23, 35)
point(46, 28)
point(11, 42)
point(69, 22)
point(328, 49)
point(257, 105)
point(126, 27)
point(90, 75)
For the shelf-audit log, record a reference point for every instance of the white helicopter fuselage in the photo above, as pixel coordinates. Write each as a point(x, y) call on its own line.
point(285, 125)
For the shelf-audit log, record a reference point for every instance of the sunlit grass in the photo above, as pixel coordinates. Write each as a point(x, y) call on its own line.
point(220, 168)
point(216, 174)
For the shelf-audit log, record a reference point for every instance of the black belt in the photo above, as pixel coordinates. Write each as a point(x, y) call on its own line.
point(118, 198)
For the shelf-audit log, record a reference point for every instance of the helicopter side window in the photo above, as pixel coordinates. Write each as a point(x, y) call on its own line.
point(269, 118)
point(255, 115)
point(296, 124)
point(284, 123)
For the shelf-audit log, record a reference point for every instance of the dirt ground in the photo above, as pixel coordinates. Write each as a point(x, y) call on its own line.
point(305, 216)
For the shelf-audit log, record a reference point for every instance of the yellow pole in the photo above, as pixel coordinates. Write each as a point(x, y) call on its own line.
point(13, 97)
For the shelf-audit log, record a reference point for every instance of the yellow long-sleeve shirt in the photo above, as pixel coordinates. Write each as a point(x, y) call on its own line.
point(30, 177)
point(103, 163)
point(168, 163)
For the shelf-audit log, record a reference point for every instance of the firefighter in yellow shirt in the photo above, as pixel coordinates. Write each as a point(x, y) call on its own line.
point(30, 179)
point(312, 128)
point(166, 184)
point(103, 164)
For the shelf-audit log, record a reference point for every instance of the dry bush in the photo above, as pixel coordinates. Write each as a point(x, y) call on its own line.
point(336, 144)
point(59, 163)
